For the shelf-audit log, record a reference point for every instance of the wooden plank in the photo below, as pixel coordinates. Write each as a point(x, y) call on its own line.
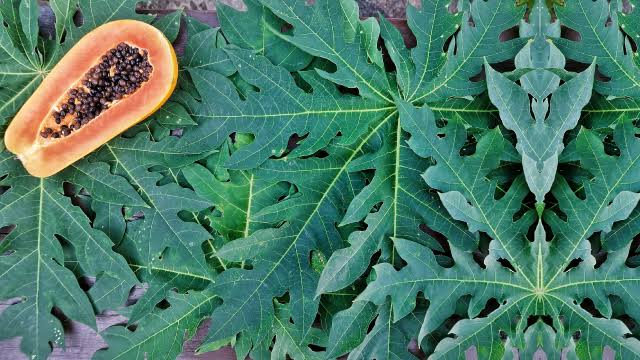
point(82, 342)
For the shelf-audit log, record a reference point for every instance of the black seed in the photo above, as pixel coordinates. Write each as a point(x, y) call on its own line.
point(46, 132)
point(55, 135)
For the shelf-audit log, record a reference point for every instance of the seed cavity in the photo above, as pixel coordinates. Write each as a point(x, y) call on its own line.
point(120, 72)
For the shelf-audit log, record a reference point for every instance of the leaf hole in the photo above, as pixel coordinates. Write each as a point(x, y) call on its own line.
point(78, 18)
point(507, 264)
point(348, 91)
point(631, 46)
point(440, 247)
point(320, 154)
point(633, 259)
point(570, 34)
point(480, 76)
point(610, 146)
point(139, 215)
point(469, 147)
point(163, 304)
point(481, 253)
point(526, 205)
point(491, 306)
point(286, 28)
point(608, 22)
point(132, 327)
point(509, 34)
point(572, 264)
point(601, 257)
point(66, 322)
point(451, 41)
point(372, 324)
point(588, 305)
point(86, 282)
point(5, 231)
point(577, 335)
point(441, 122)
point(578, 189)
point(316, 348)
point(600, 76)
point(471, 22)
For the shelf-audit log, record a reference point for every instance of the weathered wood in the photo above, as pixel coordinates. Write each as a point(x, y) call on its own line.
point(82, 342)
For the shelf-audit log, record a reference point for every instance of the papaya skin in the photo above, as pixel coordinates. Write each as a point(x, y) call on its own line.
point(44, 157)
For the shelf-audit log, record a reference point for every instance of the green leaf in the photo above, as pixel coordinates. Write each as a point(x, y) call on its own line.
point(161, 226)
point(232, 198)
point(463, 180)
point(479, 38)
point(63, 10)
point(387, 339)
point(103, 186)
point(343, 43)
point(258, 29)
point(173, 114)
point(281, 105)
point(33, 270)
point(170, 24)
point(149, 340)
point(195, 58)
point(602, 42)
point(540, 123)
point(350, 328)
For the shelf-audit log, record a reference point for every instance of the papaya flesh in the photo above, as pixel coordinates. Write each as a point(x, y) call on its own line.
point(113, 78)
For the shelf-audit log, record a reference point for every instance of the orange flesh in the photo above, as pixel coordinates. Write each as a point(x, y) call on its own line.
point(44, 157)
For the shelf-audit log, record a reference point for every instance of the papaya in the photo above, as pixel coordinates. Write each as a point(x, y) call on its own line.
point(114, 77)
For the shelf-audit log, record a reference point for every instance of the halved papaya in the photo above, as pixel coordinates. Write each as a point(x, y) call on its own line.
point(113, 78)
